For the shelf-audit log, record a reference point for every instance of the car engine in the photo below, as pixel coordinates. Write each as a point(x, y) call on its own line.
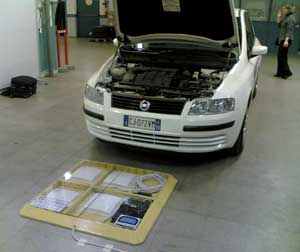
point(141, 80)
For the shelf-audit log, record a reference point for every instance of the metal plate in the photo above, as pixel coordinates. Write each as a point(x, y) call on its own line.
point(142, 123)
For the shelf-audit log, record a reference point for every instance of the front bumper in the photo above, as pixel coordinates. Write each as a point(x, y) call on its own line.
point(186, 134)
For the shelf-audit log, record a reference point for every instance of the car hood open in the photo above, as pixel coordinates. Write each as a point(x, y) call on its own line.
point(211, 21)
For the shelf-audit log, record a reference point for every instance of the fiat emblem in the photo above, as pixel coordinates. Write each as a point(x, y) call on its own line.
point(145, 105)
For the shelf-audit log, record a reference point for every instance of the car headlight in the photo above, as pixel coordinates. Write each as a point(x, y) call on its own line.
point(212, 106)
point(94, 95)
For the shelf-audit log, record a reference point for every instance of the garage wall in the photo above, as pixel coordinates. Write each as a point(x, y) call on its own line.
point(266, 10)
point(18, 42)
point(72, 17)
point(263, 14)
point(276, 4)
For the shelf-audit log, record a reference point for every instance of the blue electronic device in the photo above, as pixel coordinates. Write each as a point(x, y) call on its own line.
point(129, 222)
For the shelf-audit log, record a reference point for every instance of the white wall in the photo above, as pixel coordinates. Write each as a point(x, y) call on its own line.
point(72, 6)
point(72, 26)
point(72, 21)
point(18, 40)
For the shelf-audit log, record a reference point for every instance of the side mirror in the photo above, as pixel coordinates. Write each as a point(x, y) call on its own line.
point(116, 42)
point(259, 50)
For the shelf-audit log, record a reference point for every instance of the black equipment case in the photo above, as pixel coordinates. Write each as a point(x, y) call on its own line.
point(102, 32)
point(23, 86)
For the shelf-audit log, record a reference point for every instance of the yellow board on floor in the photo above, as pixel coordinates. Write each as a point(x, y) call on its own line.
point(76, 215)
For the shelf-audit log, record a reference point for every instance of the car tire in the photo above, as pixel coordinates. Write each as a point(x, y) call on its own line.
point(238, 147)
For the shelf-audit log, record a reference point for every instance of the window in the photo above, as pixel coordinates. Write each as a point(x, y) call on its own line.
point(240, 30)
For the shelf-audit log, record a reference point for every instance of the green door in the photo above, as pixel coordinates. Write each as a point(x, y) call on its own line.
point(88, 16)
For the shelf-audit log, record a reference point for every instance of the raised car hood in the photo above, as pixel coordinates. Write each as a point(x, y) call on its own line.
point(194, 20)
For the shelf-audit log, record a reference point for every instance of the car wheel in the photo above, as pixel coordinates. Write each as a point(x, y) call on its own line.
point(238, 147)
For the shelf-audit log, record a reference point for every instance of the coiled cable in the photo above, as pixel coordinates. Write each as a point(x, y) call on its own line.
point(141, 187)
point(98, 245)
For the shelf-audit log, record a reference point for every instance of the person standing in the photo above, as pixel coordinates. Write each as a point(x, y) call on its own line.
point(286, 22)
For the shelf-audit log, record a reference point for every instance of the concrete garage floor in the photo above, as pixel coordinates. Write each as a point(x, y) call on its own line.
point(221, 204)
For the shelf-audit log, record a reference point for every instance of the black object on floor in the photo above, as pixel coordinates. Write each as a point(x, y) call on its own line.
point(21, 86)
point(134, 208)
point(102, 32)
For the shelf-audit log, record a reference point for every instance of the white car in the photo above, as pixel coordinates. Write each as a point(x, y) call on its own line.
point(181, 80)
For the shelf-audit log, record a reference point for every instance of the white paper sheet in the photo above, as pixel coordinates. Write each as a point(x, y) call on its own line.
point(120, 180)
point(48, 204)
point(171, 5)
point(106, 204)
point(62, 195)
point(56, 200)
point(87, 173)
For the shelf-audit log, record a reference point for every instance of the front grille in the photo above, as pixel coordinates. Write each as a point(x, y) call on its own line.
point(144, 137)
point(166, 140)
point(158, 105)
point(155, 139)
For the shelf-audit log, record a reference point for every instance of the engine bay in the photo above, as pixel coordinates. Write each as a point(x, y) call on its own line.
point(144, 80)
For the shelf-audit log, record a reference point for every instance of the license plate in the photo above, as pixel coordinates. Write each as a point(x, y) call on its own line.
point(142, 123)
